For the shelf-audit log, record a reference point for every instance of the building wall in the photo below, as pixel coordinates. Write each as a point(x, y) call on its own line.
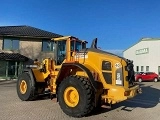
point(31, 48)
point(150, 58)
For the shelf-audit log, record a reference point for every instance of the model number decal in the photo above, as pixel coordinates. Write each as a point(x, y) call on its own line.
point(81, 55)
point(117, 65)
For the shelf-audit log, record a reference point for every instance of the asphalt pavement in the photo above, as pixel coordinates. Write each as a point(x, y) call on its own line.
point(145, 106)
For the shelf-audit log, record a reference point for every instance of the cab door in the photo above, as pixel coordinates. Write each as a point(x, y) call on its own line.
point(60, 51)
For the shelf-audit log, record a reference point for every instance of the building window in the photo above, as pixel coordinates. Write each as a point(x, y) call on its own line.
point(137, 68)
point(142, 68)
point(3, 65)
point(10, 69)
point(10, 43)
point(158, 70)
point(47, 45)
point(147, 68)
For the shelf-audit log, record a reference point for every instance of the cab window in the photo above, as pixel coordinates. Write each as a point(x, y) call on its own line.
point(76, 46)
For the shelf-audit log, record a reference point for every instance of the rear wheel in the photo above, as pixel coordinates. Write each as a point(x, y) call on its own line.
point(139, 79)
point(25, 87)
point(75, 96)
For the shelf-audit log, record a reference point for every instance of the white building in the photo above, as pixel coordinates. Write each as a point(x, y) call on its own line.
point(145, 55)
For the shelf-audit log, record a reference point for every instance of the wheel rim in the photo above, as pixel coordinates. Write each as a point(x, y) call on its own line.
point(23, 87)
point(71, 96)
point(140, 80)
point(155, 80)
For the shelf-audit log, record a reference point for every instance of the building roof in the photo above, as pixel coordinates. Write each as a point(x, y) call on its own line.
point(143, 39)
point(150, 39)
point(13, 57)
point(26, 31)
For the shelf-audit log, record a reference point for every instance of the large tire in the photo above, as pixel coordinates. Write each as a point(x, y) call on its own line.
point(25, 87)
point(75, 96)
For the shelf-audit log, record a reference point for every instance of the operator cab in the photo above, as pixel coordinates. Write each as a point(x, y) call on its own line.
point(66, 47)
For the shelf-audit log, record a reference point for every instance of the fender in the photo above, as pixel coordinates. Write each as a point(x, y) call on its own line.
point(29, 71)
point(65, 70)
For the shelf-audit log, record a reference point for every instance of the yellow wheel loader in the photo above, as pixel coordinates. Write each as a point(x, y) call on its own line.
point(81, 78)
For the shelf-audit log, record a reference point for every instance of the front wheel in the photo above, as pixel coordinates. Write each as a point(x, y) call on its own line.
point(75, 96)
point(155, 79)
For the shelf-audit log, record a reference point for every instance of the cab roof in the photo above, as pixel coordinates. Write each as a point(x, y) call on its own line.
point(66, 37)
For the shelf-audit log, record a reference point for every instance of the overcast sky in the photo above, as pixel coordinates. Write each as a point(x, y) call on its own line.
point(118, 24)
